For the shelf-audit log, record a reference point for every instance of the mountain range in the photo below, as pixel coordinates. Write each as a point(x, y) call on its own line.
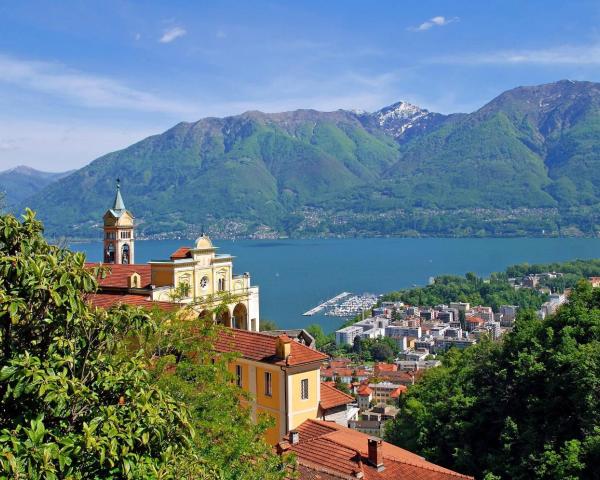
point(19, 183)
point(526, 163)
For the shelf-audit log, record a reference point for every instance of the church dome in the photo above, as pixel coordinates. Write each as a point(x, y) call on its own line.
point(203, 242)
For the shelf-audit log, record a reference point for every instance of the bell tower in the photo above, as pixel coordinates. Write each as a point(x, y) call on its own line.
point(118, 232)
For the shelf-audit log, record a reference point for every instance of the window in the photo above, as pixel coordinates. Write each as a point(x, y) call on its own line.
point(221, 284)
point(304, 389)
point(268, 385)
point(238, 375)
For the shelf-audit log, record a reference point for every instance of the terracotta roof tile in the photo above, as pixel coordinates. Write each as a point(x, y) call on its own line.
point(118, 275)
point(107, 300)
point(332, 397)
point(261, 347)
point(339, 452)
point(474, 320)
point(385, 367)
point(364, 390)
point(181, 252)
point(399, 391)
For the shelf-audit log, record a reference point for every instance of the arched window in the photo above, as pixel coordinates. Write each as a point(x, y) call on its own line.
point(125, 254)
point(109, 255)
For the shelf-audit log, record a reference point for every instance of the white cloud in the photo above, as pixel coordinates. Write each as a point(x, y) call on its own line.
point(56, 146)
point(561, 55)
point(172, 34)
point(437, 21)
point(83, 89)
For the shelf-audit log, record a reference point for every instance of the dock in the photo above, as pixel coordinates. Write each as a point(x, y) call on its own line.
point(328, 303)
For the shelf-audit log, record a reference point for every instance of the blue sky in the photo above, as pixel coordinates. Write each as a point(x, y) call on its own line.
point(80, 79)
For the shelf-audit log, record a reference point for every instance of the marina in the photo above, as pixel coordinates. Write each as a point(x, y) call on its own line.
point(328, 303)
point(353, 305)
point(350, 306)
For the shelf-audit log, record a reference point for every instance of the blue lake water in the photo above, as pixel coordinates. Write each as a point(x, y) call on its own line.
point(296, 275)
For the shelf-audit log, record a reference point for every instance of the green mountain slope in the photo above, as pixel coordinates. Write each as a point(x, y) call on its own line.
point(253, 168)
point(21, 182)
point(528, 162)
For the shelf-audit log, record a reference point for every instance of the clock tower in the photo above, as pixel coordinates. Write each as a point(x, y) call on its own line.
point(118, 232)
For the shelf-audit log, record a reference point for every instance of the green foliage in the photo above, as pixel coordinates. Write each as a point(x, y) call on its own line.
point(523, 408)
point(321, 339)
point(381, 349)
point(448, 288)
point(87, 393)
point(72, 407)
point(509, 169)
point(267, 325)
point(341, 385)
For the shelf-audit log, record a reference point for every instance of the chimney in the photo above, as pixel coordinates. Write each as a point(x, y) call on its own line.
point(283, 347)
point(294, 437)
point(376, 453)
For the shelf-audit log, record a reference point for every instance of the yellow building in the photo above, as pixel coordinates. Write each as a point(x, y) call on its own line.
point(282, 376)
point(206, 278)
point(192, 275)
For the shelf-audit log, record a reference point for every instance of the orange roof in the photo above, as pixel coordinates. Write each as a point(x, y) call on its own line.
point(261, 347)
point(399, 391)
point(340, 452)
point(386, 367)
point(475, 320)
point(402, 377)
point(364, 390)
point(107, 300)
point(344, 372)
point(332, 397)
point(118, 275)
point(181, 252)
point(339, 362)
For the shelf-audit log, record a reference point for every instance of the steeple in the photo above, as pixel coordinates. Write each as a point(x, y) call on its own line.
point(119, 204)
point(118, 232)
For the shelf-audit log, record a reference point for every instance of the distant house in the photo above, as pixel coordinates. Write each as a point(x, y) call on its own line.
point(364, 396)
point(336, 406)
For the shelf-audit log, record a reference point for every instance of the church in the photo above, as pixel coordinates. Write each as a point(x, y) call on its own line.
point(192, 275)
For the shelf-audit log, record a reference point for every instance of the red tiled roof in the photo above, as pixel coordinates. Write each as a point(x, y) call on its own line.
point(107, 300)
point(475, 320)
point(181, 252)
point(386, 367)
point(405, 378)
point(332, 397)
point(339, 452)
point(344, 372)
point(118, 275)
point(261, 347)
point(339, 362)
point(399, 391)
point(364, 390)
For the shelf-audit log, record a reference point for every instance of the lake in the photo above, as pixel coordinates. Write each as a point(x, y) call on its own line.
point(296, 275)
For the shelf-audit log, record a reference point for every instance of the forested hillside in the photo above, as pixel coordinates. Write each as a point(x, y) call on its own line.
point(526, 163)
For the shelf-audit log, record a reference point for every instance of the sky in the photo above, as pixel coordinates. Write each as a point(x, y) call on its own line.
point(81, 79)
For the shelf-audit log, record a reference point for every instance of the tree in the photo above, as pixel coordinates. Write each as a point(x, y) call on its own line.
point(71, 406)
point(87, 393)
point(267, 325)
point(341, 385)
point(523, 408)
point(319, 335)
point(381, 351)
